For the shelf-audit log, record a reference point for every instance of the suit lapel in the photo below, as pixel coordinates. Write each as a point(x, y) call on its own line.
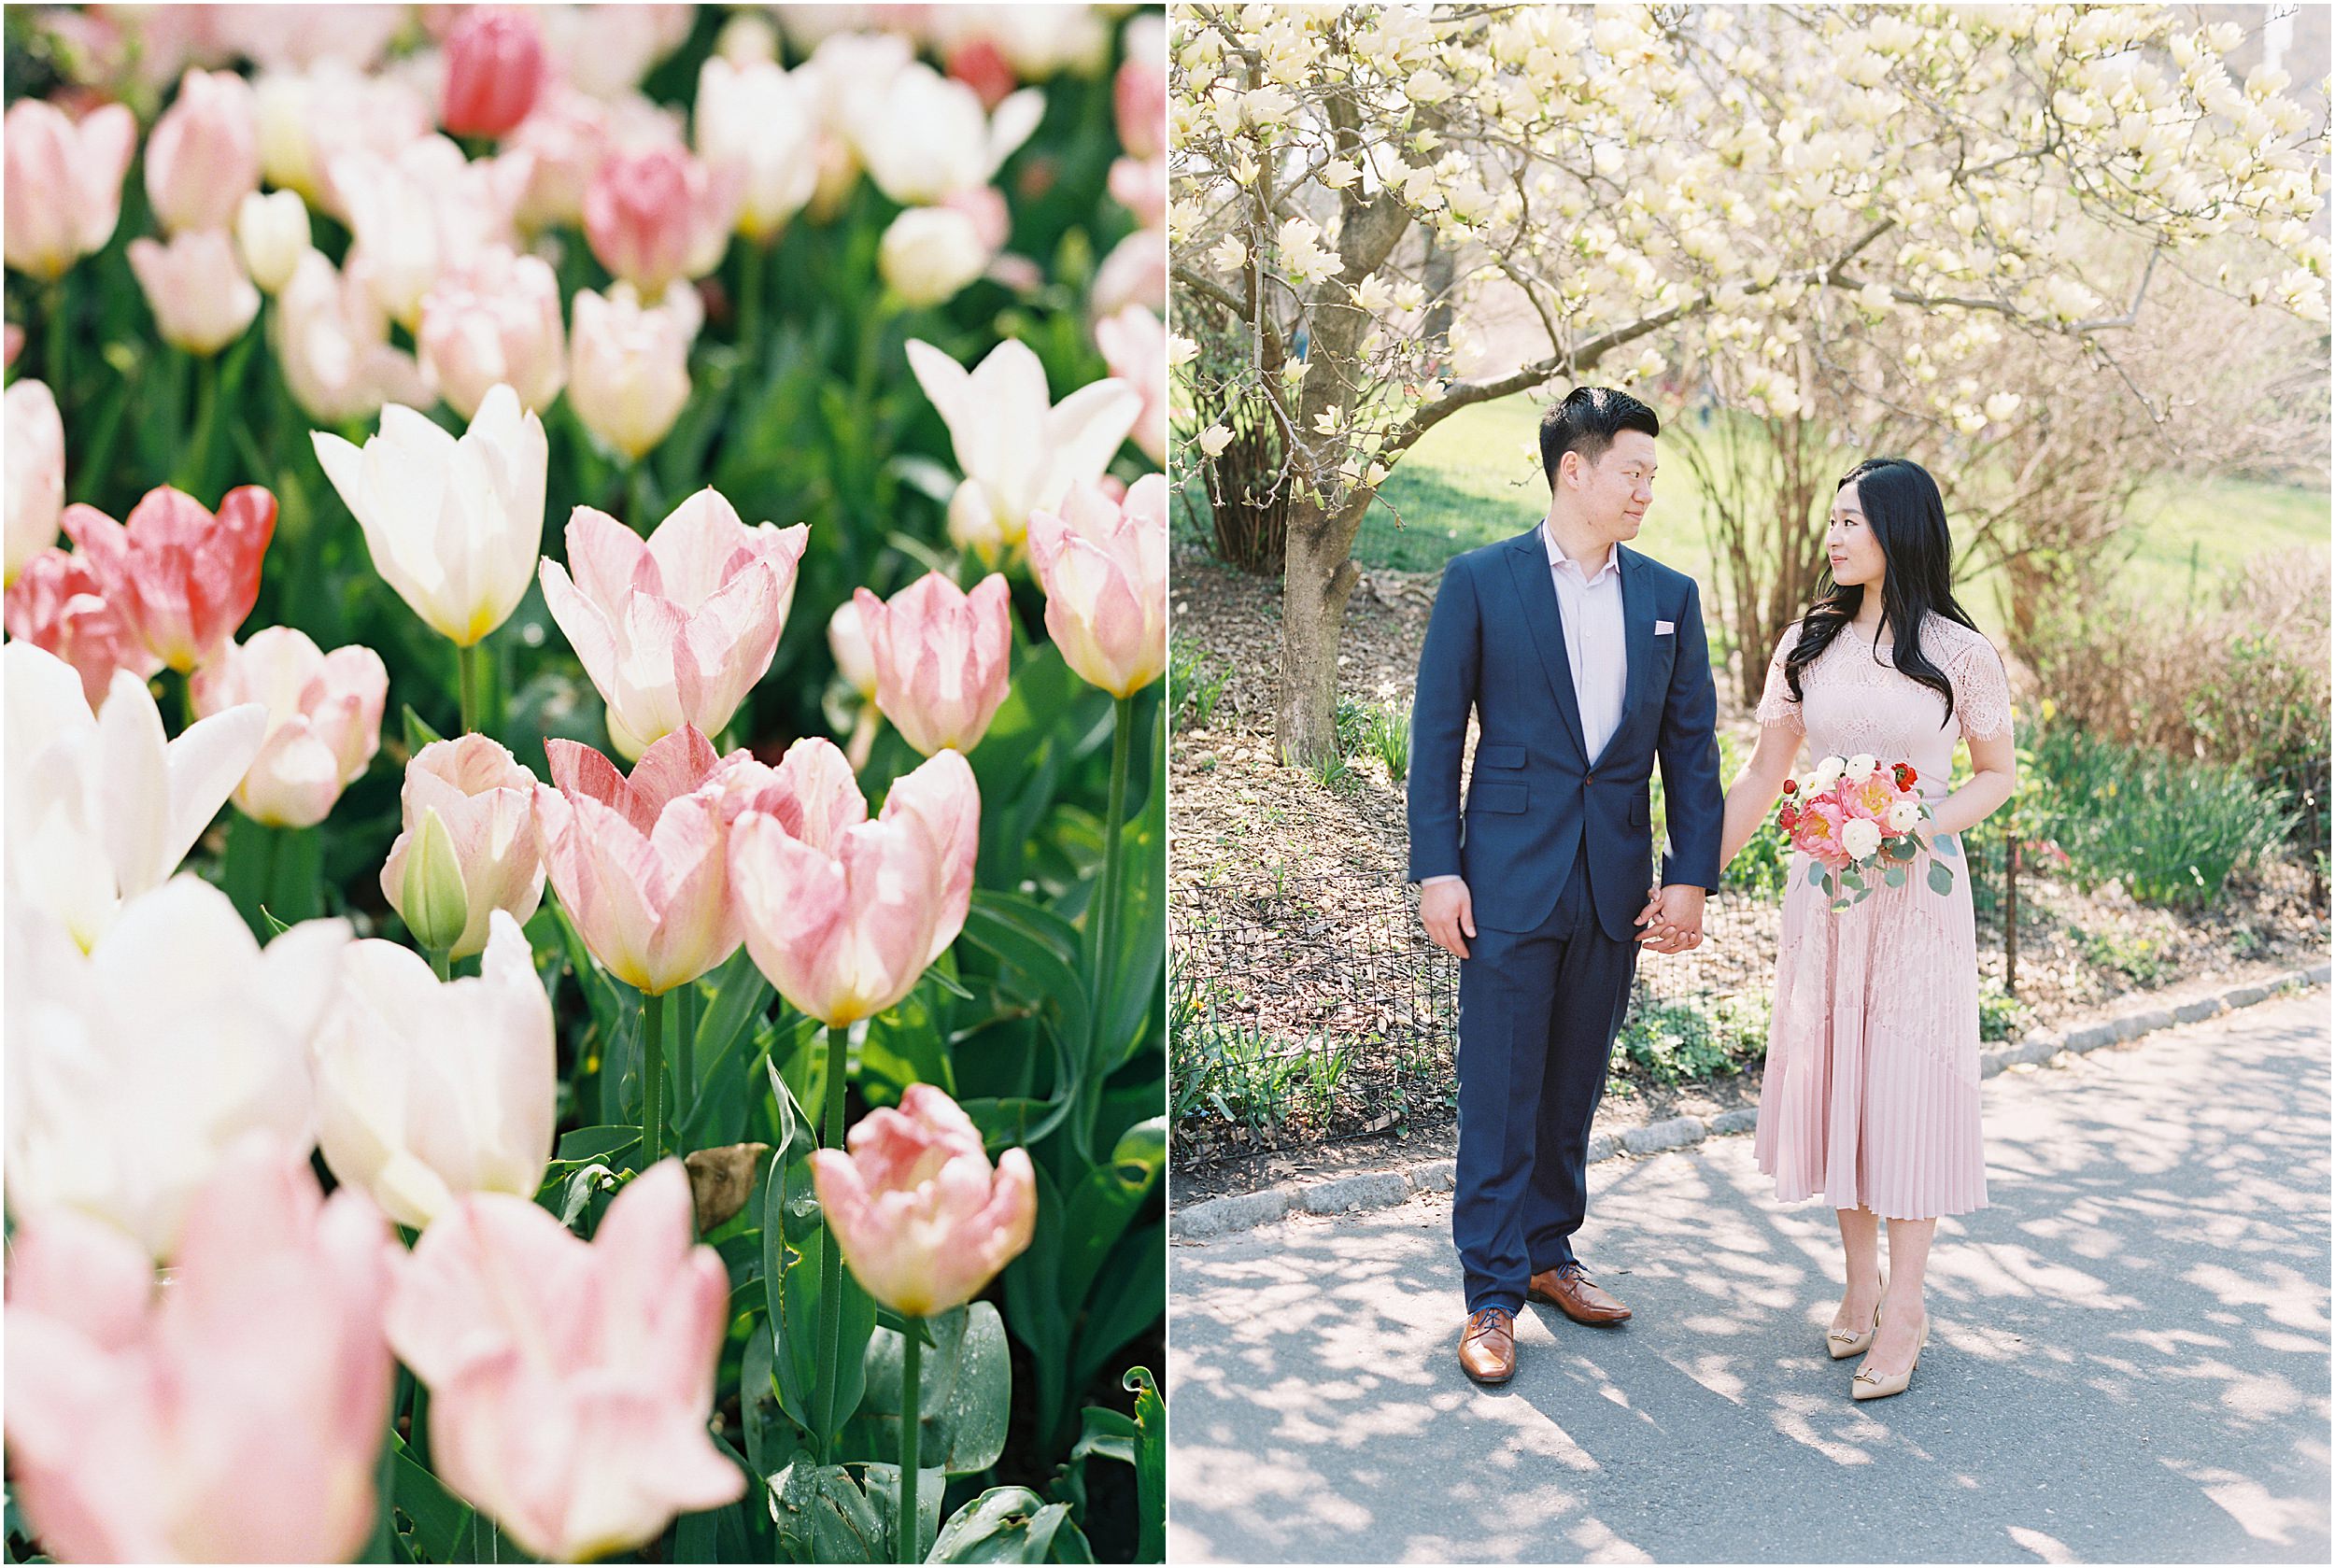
point(1528, 561)
point(1637, 628)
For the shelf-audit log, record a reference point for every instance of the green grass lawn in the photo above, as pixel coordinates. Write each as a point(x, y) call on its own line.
point(1475, 478)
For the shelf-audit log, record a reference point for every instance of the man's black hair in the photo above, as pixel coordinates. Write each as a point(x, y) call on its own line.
point(1586, 423)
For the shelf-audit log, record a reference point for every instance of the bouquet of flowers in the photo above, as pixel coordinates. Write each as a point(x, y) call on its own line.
point(1853, 818)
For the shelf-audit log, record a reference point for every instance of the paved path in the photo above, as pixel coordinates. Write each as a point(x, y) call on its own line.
point(2129, 1361)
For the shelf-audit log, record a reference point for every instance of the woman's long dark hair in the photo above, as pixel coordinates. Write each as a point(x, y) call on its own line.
point(1907, 515)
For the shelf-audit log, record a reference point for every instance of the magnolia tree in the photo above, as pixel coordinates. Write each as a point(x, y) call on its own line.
point(1653, 178)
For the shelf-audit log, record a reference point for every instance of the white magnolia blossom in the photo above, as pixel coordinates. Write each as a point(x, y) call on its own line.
point(1761, 184)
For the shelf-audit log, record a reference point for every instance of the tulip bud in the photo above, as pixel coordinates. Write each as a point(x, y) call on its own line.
point(36, 474)
point(847, 639)
point(929, 253)
point(201, 298)
point(941, 659)
point(435, 907)
point(920, 1216)
point(495, 70)
point(1105, 568)
point(629, 366)
point(272, 233)
point(63, 183)
point(204, 156)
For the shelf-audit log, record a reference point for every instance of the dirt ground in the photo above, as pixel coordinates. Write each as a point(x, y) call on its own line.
point(1238, 816)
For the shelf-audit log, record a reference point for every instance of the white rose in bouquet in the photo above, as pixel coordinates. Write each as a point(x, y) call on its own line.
point(1859, 767)
point(1827, 774)
point(1860, 836)
point(1904, 816)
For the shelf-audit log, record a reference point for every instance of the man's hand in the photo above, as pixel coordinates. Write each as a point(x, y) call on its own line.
point(1673, 918)
point(1448, 912)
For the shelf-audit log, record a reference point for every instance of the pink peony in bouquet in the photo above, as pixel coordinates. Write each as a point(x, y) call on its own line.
point(1855, 816)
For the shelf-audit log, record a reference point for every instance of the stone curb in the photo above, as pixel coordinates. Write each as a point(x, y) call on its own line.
point(1358, 1191)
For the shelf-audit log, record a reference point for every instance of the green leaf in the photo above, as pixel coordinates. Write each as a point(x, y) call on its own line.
point(1111, 1433)
point(1105, 1200)
point(791, 1226)
point(906, 1045)
point(440, 1518)
point(823, 1516)
point(589, 1145)
point(1151, 1465)
point(1129, 1298)
point(1940, 878)
point(1945, 844)
point(1894, 876)
point(1141, 930)
point(418, 733)
point(1004, 1524)
point(1816, 874)
point(964, 1393)
point(884, 1494)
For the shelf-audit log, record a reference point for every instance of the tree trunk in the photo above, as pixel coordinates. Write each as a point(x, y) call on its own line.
point(1320, 579)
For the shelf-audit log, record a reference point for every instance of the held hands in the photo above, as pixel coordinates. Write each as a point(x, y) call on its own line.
point(1673, 918)
point(1448, 912)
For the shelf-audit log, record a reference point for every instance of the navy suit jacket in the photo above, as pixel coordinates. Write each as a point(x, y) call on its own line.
point(1496, 646)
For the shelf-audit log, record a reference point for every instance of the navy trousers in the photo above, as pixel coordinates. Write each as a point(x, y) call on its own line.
point(1538, 1012)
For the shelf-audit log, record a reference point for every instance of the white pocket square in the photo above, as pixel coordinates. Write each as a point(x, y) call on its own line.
point(1663, 628)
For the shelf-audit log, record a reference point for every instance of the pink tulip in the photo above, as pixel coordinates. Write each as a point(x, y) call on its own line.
point(642, 864)
point(566, 138)
point(1141, 187)
point(656, 215)
point(486, 800)
point(324, 720)
point(423, 211)
point(1135, 273)
point(63, 182)
point(629, 366)
point(204, 157)
point(332, 338)
point(496, 319)
point(310, 120)
point(201, 297)
point(607, 49)
point(495, 70)
point(1105, 568)
point(1141, 94)
point(941, 658)
point(571, 1381)
point(673, 629)
point(1135, 347)
point(36, 475)
point(922, 1220)
point(236, 1417)
point(843, 914)
point(57, 605)
point(181, 577)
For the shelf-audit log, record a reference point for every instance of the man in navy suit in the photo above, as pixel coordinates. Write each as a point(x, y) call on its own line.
point(1582, 661)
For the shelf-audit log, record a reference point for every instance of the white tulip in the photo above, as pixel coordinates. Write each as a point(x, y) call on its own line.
point(100, 807)
point(426, 1090)
point(924, 137)
point(928, 254)
point(761, 121)
point(272, 235)
point(454, 525)
point(1022, 451)
point(132, 1070)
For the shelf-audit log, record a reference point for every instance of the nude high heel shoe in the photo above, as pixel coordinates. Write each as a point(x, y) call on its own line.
point(1844, 1345)
point(1866, 1385)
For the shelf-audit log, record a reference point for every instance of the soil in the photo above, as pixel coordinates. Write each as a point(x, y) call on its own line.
point(1240, 820)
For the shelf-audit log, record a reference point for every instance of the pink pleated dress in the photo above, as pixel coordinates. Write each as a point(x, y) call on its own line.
point(1871, 1093)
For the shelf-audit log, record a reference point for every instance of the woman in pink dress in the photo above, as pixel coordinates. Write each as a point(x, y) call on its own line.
point(1870, 1095)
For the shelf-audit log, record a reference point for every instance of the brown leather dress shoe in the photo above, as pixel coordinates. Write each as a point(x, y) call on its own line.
point(1487, 1349)
point(1567, 1287)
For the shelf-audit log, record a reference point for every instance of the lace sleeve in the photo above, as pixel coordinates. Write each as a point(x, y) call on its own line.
point(1982, 691)
point(1776, 706)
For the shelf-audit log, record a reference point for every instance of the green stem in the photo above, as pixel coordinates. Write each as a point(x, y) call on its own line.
point(60, 335)
point(653, 1081)
point(275, 841)
point(750, 304)
point(466, 672)
point(1106, 917)
point(639, 504)
point(911, 1359)
point(187, 715)
point(685, 1073)
point(829, 1132)
point(194, 461)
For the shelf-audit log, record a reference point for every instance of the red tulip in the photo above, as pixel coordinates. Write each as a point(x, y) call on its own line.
point(495, 71)
point(57, 605)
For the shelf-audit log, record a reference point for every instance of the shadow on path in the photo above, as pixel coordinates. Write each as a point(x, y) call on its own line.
point(2128, 1361)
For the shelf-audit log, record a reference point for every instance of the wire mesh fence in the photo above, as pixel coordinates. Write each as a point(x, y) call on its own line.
point(1307, 1005)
